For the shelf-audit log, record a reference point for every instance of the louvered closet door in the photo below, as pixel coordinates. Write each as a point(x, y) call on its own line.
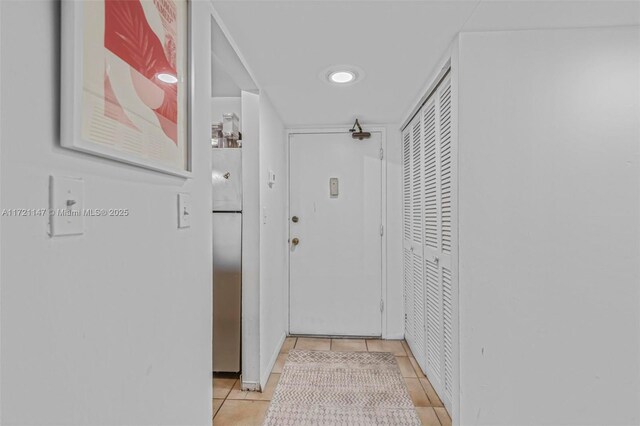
point(428, 240)
point(413, 253)
point(417, 237)
point(432, 242)
point(406, 231)
point(446, 170)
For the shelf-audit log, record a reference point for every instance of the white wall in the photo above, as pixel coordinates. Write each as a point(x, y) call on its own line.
point(264, 240)
point(114, 326)
point(251, 241)
point(273, 237)
point(549, 227)
point(394, 308)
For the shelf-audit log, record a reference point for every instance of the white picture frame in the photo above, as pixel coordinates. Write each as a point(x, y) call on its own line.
point(140, 141)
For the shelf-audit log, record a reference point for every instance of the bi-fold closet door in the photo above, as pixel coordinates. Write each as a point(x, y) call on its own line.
point(427, 239)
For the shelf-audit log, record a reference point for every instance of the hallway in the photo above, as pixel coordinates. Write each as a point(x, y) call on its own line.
point(187, 185)
point(234, 407)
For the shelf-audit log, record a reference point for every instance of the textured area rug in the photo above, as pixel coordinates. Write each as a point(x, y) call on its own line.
point(341, 388)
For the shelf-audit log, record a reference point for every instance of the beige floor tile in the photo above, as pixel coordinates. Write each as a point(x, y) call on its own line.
point(236, 392)
point(406, 348)
point(443, 416)
point(416, 367)
point(348, 345)
point(267, 394)
point(216, 403)
point(313, 344)
point(406, 369)
point(245, 413)
point(416, 392)
point(431, 393)
point(428, 416)
point(288, 344)
point(393, 346)
point(222, 386)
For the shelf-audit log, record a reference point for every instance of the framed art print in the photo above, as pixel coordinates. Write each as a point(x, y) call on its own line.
point(125, 81)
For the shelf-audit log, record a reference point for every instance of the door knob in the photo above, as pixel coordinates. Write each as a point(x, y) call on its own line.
point(295, 241)
point(294, 219)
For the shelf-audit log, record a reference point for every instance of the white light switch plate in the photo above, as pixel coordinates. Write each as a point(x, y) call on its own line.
point(66, 204)
point(333, 187)
point(184, 211)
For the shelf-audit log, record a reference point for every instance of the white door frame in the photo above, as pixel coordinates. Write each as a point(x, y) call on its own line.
point(383, 271)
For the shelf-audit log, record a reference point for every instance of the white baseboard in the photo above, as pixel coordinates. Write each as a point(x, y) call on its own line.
point(394, 336)
point(274, 357)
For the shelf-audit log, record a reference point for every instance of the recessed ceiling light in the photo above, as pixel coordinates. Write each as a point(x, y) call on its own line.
point(342, 77)
point(168, 78)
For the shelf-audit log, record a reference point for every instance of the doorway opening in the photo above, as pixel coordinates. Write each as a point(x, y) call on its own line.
point(231, 85)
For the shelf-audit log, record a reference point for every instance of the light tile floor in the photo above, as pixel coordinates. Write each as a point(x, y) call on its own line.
point(234, 407)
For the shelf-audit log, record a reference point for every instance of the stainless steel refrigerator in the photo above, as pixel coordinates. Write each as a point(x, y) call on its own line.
point(227, 258)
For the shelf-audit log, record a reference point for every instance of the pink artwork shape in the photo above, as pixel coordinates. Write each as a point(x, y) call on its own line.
point(112, 107)
point(129, 36)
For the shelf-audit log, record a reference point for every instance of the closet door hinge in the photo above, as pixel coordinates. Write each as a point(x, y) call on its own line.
point(381, 305)
point(381, 153)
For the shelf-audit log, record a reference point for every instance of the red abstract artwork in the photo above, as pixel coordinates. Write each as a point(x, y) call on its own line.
point(129, 36)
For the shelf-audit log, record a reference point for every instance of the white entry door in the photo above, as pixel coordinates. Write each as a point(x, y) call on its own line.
point(335, 219)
